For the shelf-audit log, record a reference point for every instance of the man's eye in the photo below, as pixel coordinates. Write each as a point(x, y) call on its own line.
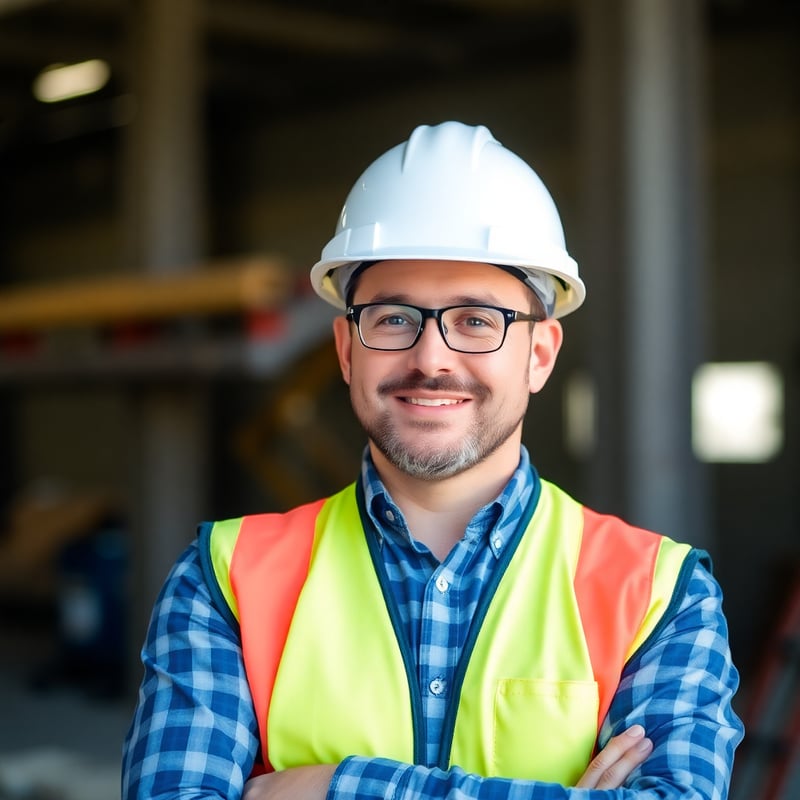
point(394, 320)
point(477, 321)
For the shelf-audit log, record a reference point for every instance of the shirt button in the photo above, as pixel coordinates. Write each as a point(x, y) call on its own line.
point(390, 515)
point(441, 584)
point(498, 542)
point(436, 686)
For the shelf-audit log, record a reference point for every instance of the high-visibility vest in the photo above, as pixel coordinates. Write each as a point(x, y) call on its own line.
point(332, 675)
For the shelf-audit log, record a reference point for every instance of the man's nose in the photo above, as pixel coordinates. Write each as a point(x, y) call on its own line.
point(431, 354)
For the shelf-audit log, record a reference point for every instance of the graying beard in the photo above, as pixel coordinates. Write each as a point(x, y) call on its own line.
point(431, 466)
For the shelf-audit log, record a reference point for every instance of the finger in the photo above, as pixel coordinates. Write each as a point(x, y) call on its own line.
point(616, 775)
point(617, 759)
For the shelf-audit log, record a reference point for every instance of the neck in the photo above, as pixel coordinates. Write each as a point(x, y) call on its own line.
point(437, 512)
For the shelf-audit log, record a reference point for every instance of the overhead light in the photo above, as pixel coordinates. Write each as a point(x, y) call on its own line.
point(65, 81)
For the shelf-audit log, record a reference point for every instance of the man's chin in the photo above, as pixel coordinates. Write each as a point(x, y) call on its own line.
point(435, 462)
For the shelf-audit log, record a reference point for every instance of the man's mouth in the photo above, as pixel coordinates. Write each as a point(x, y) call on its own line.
point(435, 392)
point(432, 401)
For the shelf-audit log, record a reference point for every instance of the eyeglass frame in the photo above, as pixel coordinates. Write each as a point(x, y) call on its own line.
point(510, 316)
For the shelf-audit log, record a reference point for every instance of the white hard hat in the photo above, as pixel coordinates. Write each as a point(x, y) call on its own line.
point(452, 192)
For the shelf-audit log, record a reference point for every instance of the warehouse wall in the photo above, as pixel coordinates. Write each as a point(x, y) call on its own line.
point(755, 258)
point(276, 185)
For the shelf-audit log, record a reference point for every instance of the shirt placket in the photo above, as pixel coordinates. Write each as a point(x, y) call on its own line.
point(438, 655)
point(446, 611)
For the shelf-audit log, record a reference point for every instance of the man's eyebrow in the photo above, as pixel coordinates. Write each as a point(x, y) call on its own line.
point(383, 297)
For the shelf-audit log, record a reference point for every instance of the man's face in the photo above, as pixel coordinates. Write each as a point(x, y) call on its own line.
point(430, 411)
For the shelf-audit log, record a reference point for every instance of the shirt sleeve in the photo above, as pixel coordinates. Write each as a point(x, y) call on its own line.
point(193, 730)
point(679, 687)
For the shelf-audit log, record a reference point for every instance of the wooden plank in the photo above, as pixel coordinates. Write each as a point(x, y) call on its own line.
point(225, 287)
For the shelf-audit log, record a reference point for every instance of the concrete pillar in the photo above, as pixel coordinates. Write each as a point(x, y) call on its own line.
point(166, 232)
point(645, 57)
point(600, 251)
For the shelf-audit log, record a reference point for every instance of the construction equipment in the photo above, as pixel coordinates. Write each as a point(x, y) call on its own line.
point(770, 764)
point(290, 444)
point(224, 287)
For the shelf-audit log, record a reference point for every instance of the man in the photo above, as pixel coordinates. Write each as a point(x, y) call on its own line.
point(451, 625)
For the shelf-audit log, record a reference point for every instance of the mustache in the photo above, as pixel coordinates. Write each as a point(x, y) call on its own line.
point(442, 383)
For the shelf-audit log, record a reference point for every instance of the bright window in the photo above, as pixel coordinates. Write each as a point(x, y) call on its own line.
point(737, 412)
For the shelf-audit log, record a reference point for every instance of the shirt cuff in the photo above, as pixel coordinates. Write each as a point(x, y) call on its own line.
point(359, 778)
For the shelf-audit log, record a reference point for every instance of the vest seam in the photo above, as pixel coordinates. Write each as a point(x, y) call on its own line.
point(218, 600)
point(679, 591)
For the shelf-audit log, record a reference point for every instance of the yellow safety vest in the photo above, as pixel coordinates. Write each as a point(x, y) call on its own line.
point(331, 675)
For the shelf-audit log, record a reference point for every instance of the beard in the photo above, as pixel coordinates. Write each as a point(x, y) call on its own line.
point(434, 462)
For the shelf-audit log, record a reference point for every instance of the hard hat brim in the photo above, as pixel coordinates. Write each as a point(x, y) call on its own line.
point(570, 289)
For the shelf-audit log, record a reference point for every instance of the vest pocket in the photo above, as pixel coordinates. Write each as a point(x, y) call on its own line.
point(544, 730)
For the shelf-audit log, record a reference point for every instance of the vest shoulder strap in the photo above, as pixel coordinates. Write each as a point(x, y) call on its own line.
point(624, 582)
point(274, 551)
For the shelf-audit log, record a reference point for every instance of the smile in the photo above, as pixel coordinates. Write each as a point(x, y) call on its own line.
point(431, 401)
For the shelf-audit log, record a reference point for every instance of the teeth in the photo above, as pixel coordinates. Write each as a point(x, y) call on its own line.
point(427, 401)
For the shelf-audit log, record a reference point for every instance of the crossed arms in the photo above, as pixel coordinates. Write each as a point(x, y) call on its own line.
point(194, 728)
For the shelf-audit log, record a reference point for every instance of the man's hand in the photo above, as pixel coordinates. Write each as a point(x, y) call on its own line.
point(611, 766)
point(298, 783)
point(608, 770)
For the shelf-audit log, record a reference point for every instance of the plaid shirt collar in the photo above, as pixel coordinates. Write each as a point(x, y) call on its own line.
point(501, 514)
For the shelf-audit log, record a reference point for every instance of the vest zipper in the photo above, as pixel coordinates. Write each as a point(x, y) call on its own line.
point(409, 661)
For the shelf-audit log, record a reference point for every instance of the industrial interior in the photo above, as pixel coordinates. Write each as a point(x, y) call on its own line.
point(170, 172)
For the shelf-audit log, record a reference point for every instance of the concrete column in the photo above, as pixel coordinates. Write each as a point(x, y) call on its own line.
point(666, 260)
point(600, 251)
point(166, 233)
point(647, 54)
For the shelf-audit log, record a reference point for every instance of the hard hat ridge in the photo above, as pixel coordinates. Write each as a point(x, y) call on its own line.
point(452, 192)
point(446, 137)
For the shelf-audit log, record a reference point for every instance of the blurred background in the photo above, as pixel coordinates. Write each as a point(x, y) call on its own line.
point(170, 172)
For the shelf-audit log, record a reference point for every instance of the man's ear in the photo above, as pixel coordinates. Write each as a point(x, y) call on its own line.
point(344, 342)
point(545, 343)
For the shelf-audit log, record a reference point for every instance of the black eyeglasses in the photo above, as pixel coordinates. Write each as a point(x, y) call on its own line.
point(465, 329)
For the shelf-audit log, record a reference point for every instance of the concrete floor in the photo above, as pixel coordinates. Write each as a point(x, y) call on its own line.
point(60, 738)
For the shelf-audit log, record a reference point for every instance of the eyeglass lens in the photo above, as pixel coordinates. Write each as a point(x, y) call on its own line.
point(471, 329)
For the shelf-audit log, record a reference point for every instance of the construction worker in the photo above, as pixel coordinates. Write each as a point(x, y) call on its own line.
point(451, 625)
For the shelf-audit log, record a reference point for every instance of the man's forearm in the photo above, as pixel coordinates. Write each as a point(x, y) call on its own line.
point(608, 770)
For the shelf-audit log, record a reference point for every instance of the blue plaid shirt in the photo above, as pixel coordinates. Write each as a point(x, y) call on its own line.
point(194, 727)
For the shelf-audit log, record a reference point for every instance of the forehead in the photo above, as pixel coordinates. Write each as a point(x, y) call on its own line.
point(439, 282)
